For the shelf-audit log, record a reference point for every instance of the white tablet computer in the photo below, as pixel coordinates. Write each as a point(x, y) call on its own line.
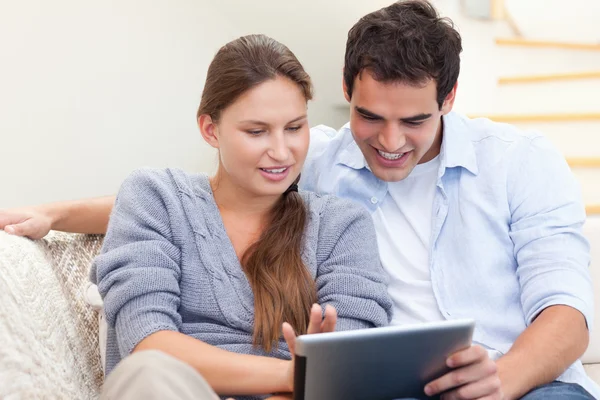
point(376, 364)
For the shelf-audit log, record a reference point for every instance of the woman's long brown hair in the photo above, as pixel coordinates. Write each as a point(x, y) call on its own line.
point(283, 288)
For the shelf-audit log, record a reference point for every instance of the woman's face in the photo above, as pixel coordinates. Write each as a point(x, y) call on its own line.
point(263, 138)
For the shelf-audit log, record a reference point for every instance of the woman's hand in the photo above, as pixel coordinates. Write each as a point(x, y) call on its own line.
point(317, 324)
point(31, 222)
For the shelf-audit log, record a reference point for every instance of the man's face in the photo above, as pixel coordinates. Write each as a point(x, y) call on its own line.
point(396, 125)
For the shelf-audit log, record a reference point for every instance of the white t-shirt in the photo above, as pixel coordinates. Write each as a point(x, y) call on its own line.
point(404, 225)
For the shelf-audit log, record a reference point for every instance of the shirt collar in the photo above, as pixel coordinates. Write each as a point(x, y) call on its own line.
point(351, 155)
point(456, 151)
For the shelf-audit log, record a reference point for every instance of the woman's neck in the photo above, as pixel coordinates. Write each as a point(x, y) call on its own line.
point(231, 198)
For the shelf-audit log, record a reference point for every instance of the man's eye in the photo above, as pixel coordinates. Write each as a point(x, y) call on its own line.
point(368, 118)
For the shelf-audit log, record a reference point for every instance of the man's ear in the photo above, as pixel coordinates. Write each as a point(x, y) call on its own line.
point(209, 130)
point(449, 101)
point(345, 88)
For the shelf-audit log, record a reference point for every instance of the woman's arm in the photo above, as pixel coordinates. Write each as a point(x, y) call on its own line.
point(350, 276)
point(79, 216)
point(231, 373)
point(226, 372)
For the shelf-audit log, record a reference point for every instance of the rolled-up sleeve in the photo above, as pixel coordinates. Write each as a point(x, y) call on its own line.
point(138, 270)
point(350, 276)
point(548, 214)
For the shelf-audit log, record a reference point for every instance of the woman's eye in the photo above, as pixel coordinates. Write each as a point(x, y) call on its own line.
point(254, 133)
point(294, 128)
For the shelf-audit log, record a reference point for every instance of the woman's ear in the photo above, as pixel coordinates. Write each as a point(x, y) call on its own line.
point(209, 130)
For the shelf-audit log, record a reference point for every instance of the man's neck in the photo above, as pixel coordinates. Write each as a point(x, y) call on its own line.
point(436, 147)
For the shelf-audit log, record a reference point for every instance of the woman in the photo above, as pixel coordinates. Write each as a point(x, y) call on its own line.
point(208, 269)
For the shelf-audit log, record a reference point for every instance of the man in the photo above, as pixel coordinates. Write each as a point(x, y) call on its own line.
point(474, 219)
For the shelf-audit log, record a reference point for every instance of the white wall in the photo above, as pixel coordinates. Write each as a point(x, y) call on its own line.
point(91, 90)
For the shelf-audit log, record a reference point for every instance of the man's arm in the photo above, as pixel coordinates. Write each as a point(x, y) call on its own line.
point(79, 216)
point(547, 216)
point(554, 341)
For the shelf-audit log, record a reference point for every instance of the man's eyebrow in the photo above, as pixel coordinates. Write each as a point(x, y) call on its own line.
point(372, 115)
point(416, 118)
point(368, 113)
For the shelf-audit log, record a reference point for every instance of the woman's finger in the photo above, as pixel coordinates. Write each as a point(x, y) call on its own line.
point(290, 337)
point(328, 324)
point(316, 316)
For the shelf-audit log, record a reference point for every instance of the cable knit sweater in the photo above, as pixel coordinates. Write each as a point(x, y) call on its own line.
point(168, 264)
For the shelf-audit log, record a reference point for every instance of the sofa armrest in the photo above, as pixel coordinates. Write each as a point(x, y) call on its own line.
point(49, 335)
point(592, 233)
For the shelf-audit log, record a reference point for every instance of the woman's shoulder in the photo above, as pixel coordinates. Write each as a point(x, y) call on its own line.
point(164, 181)
point(332, 211)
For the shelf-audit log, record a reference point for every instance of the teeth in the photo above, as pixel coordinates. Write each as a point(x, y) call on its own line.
point(390, 156)
point(275, 171)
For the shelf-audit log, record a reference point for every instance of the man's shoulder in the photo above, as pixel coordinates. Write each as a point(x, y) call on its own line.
point(493, 141)
point(326, 145)
point(482, 130)
point(499, 144)
point(325, 139)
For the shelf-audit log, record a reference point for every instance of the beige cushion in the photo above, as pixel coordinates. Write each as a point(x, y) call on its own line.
point(593, 371)
point(48, 334)
point(592, 232)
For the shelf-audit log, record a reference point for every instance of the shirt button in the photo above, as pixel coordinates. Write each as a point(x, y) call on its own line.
point(374, 200)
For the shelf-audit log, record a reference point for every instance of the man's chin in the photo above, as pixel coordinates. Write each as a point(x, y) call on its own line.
point(387, 174)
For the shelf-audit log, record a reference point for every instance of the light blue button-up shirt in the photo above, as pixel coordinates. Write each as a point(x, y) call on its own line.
point(506, 238)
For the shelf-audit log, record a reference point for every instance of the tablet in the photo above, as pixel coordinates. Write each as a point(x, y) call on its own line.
point(376, 364)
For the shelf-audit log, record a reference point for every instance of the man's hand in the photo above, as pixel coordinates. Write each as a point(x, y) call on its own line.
point(30, 222)
point(474, 376)
point(317, 324)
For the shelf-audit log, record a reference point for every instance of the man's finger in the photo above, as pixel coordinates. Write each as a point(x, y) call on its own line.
point(466, 357)
point(27, 228)
point(461, 376)
point(8, 219)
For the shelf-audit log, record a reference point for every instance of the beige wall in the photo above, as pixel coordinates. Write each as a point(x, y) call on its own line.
point(91, 90)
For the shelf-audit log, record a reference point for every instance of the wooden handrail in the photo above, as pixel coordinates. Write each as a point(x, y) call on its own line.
point(547, 43)
point(558, 117)
point(592, 209)
point(505, 80)
point(584, 162)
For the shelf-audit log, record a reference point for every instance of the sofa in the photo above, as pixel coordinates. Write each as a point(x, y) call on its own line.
point(49, 333)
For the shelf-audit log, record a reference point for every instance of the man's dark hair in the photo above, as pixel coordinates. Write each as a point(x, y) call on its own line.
point(405, 42)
